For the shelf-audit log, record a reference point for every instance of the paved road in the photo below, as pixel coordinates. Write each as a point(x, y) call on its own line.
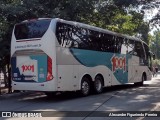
point(118, 98)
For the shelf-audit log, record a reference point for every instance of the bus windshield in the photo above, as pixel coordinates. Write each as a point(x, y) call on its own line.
point(31, 29)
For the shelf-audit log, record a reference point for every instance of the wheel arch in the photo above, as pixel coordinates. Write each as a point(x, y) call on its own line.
point(85, 75)
point(145, 75)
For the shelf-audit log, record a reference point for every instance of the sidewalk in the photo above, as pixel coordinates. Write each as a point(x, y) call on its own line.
point(5, 95)
point(157, 83)
point(3, 90)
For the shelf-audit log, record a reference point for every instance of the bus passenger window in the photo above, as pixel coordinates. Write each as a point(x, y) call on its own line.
point(124, 48)
point(131, 46)
point(139, 50)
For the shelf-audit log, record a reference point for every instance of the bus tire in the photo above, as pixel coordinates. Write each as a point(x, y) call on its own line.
point(85, 86)
point(142, 80)
point(98, 84)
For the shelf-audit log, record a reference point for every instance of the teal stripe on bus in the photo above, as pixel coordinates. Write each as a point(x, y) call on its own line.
point(91, 58)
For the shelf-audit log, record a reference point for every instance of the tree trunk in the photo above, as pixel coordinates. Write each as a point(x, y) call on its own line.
point(5, 76)
point(9, 79)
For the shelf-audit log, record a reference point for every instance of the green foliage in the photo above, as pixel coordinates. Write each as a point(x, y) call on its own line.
point(123, 24)
point(155, 44)
point(156, 62)
point(114, 15)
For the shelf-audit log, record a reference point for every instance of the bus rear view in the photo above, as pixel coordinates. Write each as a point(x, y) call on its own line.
point(32, 50)
point(55, 55)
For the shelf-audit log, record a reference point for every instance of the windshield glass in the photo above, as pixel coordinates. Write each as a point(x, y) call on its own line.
point(31, 29)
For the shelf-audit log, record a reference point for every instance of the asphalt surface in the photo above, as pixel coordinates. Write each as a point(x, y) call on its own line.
point(120, 98)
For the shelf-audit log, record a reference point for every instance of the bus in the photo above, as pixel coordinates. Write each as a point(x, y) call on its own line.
point(56, 55)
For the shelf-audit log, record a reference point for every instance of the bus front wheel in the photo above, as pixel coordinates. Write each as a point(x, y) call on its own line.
point(142, 80)
point(85, 86)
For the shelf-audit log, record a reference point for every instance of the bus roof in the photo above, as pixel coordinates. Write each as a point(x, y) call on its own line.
point(97, 29)
point(36, 19)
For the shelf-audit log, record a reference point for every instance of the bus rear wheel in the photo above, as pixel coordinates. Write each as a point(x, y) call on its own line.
point(85, 86)
point(98, 84)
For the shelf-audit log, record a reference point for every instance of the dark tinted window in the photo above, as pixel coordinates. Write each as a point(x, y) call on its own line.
point(125, 46)
point(31, 29)
point(139, 49)
point(148, 56)
point(83, 38)
point(73, 36)
point(146, 50)
point(131, 47)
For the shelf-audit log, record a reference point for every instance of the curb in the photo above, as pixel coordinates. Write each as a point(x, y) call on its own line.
point(13, 94)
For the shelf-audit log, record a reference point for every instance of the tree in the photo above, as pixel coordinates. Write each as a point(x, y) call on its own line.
point(4, 59)
point(156, 43)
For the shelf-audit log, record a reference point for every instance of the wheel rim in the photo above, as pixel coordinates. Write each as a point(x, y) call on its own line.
point(98, 85)
point(85, 87)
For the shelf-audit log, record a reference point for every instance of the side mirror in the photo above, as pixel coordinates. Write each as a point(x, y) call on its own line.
point(154, 57)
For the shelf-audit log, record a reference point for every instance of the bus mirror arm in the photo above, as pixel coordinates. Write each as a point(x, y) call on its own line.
point(154, 57)
point(152, 54)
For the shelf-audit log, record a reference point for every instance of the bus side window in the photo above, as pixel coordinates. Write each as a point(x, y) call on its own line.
point(131, 46)
point(114, 49)
point(107, 43)
point(139, 49)
point(102, 43)
point(124, 48)
point(95, 40)
point(148, 55)
point(63, 32)
point(118, 44)
point(140, 52)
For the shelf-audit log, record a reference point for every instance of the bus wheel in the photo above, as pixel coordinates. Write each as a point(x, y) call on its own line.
point(141, 83)
point(98, 84)
point(85, 86)
point(143, 79)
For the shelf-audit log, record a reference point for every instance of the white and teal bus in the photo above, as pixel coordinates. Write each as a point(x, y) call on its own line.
point(54, 55)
